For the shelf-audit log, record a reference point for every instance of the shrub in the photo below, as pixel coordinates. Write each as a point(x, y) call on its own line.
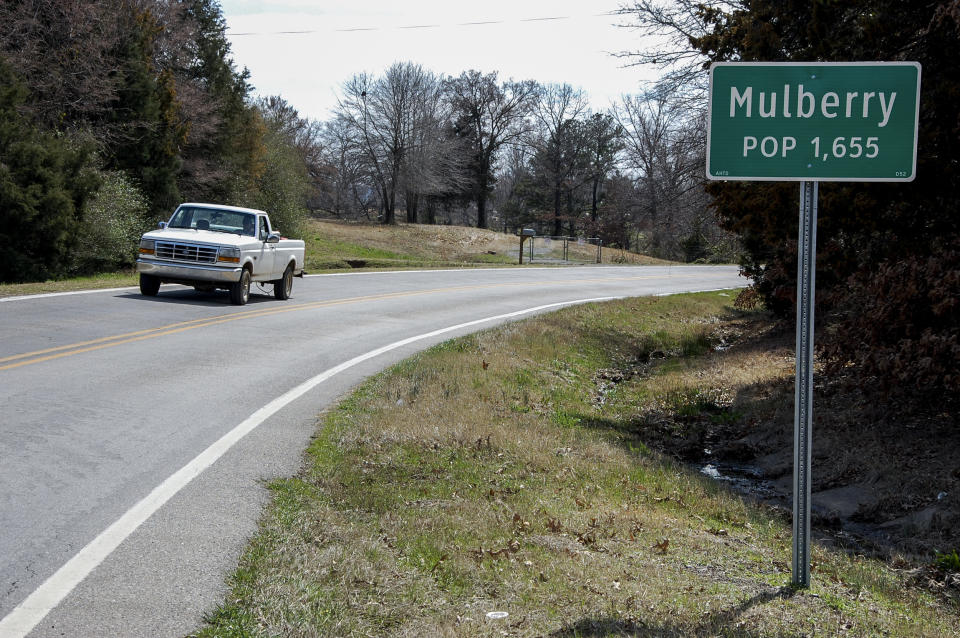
point(901, 324)
point(113, 221)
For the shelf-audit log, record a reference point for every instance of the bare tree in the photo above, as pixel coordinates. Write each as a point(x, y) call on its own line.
point(434, 166)
point(668, 30)
point(302, 134)
point(389, 115)
point(665, 152)
point(63, 49)
point(347, 188)
point(488, 115)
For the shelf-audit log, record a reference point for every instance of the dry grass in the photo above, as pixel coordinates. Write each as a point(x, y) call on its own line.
point(333, 245)
point(505, 472)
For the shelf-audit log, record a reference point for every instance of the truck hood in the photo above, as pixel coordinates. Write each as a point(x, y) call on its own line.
point(200, 237)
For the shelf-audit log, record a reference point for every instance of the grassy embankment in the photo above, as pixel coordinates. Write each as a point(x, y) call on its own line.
point(333, 246)
point(506, 471)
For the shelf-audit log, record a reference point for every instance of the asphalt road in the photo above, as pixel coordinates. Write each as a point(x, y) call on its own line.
point(137, 434)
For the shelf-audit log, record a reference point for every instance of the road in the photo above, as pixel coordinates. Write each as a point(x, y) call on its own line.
point(137, 434)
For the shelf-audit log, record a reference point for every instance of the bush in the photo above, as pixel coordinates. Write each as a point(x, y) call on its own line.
point(112, 224)
point(901, 324)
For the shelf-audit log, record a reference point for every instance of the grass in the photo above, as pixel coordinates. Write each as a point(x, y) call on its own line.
point(334, 246)
point(107, 280)
point(337, 245)
point(507, 471)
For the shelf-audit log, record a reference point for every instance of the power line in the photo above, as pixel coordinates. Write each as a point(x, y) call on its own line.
point(479, 23)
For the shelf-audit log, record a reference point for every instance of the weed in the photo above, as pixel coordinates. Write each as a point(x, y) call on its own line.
point(948, 562)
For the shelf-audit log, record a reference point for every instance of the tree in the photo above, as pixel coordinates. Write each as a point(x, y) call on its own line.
point(45, 181)
point(433, 167)
point(605, 145)
point(303, 135)
point(346, 189)
point(281, 188)
point(144, 114)
point(488, 116)
point(62, 50)
point(562, 143)
point(395, 118)
point(225, 147)
point(870, 236)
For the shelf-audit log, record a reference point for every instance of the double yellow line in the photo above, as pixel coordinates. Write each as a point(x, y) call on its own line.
point(59, 352)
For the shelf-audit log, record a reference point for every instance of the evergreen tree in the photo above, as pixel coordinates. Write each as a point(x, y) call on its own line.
point(44, 182)
point(145, 115)
point(887, 265)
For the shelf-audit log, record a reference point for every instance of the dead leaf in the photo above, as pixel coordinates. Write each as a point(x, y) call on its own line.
point(485, 365)
point(662, 546)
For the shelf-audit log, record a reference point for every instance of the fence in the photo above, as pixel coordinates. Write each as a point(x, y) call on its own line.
point(563, 250)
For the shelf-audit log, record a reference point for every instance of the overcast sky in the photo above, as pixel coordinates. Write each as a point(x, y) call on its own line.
point(305, 50)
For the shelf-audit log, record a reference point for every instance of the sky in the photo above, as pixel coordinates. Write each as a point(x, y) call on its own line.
point(304, 51)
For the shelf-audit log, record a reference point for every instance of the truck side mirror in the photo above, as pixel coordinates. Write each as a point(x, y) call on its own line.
point(273, 238)
point(162, 225)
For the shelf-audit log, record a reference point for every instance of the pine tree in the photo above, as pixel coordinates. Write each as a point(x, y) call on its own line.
point(44, 181)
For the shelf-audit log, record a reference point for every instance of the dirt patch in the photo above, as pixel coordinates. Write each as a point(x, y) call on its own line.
point(886, 475)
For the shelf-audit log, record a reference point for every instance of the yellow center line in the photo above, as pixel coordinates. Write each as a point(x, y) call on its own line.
point(50, 354)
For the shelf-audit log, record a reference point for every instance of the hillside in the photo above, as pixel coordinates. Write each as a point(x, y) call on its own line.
point(334, 245)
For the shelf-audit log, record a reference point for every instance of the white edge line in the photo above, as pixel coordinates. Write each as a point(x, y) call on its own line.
point(25, 616)
point(46, 295)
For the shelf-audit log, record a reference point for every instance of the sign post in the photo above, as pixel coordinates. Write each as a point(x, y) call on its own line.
point(803, 397)
point(811, 122)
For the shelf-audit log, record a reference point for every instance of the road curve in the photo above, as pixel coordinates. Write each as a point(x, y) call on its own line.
point(137, 433)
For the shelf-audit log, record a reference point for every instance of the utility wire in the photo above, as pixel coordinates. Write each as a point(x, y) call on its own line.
point(424, 26)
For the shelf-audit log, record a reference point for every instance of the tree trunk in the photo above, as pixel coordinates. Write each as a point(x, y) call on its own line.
point(593, 206)
point(413, 200)
point(482, 200)
point(557, 218)
point(389, 202)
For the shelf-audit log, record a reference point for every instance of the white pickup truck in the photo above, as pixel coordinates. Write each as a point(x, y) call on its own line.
point(210, 246)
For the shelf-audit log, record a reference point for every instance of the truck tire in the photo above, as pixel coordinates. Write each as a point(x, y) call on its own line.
point(240, 290)
point(284, 286)
point(149, 285)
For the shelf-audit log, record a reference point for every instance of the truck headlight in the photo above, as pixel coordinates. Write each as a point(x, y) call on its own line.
point(231, 255)
point(147, 246)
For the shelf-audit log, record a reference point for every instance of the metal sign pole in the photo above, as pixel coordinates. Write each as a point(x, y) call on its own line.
point(803, 410)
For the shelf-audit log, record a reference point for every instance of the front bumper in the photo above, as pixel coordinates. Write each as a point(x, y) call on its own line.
point(188, 273)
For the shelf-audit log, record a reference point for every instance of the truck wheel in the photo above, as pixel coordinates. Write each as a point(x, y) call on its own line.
point(240, 290)
point(149, 285)
point(284, 286)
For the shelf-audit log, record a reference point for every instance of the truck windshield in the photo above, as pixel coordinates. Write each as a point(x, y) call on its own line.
point(217, 220)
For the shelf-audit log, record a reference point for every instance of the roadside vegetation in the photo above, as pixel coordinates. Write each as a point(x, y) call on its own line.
point(520, 470)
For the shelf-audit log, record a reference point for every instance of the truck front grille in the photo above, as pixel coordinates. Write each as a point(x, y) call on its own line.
point(194, 253)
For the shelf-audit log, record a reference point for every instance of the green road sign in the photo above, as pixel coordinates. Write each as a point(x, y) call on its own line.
point(829, 122)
